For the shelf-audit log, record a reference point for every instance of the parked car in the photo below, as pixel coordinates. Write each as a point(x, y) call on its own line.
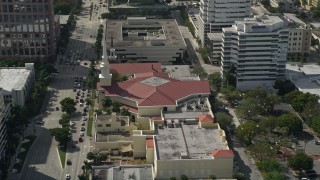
point(317, 142)
point(83, 124)
point(57, 108)
point(80, 139)
point(39, 122)
point(81, 104)
point(81, 134)
point(84, 118)
point(83, 129)
point(68, 176)
point(69, 162)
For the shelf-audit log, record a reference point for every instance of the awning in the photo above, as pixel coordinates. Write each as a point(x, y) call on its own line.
point(126, 148)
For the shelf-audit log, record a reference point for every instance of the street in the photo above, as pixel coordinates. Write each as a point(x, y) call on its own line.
point(192, 45)
point(43, 160)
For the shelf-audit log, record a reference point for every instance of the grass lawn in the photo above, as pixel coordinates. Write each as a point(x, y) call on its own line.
point(91, 112)
point(62, 154)
point(22, 156)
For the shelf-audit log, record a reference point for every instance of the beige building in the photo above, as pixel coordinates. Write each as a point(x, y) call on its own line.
point(299, 42)
point(215, 45)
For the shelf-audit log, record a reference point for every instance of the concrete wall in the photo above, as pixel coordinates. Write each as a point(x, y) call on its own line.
point(249, 85)
point(150, 155)
point(194, 168)
point(139, 146)
point(123, 101)
point(106, 146)
point(143, 123)
point(150, 111)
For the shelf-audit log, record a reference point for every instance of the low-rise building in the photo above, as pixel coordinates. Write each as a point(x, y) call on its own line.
point(306, 77)
point(196, 150)
point(145, 40)
point(299, 42)
point(17, 83)
point(123, 172)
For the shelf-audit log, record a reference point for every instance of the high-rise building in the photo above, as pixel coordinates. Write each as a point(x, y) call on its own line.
point(254, 51)
point(218, 14)
point(4, 114)
point(27, 30)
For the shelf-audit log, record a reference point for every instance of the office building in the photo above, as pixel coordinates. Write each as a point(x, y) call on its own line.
point(215, 45)
point(145, 40)
point(27, 30)
point(17, 83)
point(255, 51)
point(218, 14)
point(4, 115)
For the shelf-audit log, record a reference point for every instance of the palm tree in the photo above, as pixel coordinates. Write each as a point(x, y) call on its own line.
point(86, 166)
point(106, 102)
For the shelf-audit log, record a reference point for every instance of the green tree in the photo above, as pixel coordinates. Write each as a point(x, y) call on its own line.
point(106, 102)
point(215, 80)
point(231, 94)
point(172, 178)
point(68, 105)
point(239, 176)
point(225, 121)
point(292, 122)
point(184, 177)
point(300, 161)
point(125, 112)
point(90, 155)
point(199, 71)
point(83, 177)
point(316, 124)
point(247, 131)
point(264, 100)
point(98, 44)
point(262, 150)
point(168, 1)
point(268, 124)
point(212, 176)
point(310, 112)
point(86, 167)
point(274, 175)
point(269, 166)
point(88, 101)
point(116, 107)
point(62, 135)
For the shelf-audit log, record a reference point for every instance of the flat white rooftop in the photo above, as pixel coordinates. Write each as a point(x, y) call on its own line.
point(188, 140)
point(13, 78)
point(305, 77)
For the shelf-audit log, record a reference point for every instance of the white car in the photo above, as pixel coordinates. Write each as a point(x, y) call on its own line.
point(81, 104)
point(68, 176)
point(84, 118)
point(81, 134)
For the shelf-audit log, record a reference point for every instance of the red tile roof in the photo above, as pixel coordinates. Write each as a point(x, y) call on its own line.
point(134, 68)
point(156, 118)
point(161, 95)
point(222, 153)
point(149, 143)
point(205, 118)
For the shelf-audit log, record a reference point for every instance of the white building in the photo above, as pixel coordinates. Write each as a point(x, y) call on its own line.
point(217, 14)
point(305, 77)
point(215, 45)
point(4, 114)
point(255, 51)
point(16, 83)
point(145, 40)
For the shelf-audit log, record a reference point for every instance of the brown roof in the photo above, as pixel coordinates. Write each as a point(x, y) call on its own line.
point(205, 118)
point(160, 89)
point(149, 143)
point(222, 153)
point(134, 68)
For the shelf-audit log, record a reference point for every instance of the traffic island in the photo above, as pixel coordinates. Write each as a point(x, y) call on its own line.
point(62, 151)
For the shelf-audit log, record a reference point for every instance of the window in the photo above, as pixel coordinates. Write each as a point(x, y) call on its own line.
point(108, 125)
point(99, 125)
